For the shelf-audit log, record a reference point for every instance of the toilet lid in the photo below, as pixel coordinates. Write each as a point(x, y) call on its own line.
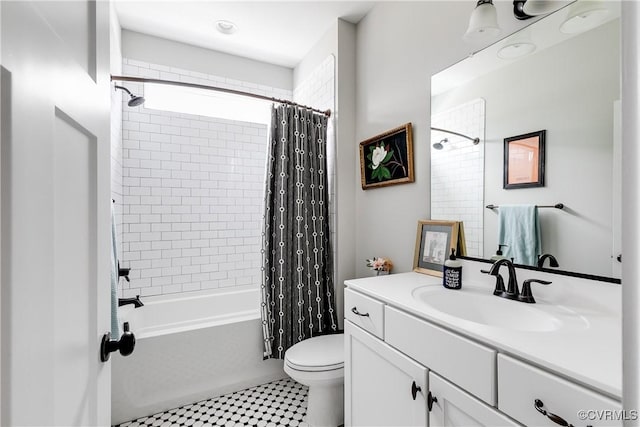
point(323, 353)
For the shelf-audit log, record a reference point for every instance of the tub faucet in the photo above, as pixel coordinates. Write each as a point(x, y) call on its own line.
point(135, 301)
point(512, 291)
point(553, 262)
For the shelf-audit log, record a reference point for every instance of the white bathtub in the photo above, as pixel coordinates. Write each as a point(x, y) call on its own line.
point(190, 348)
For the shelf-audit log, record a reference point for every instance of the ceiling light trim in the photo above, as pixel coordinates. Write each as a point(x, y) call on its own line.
point(226, 27)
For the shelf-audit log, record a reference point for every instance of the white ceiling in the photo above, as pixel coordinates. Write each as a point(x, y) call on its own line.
point(278, 32)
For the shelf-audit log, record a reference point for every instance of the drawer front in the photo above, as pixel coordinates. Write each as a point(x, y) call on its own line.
point(365, 312)
point(469, 365)
point(452, 406)
point(520, 385)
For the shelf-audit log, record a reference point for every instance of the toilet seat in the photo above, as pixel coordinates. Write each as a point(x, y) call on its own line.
point(317, 354)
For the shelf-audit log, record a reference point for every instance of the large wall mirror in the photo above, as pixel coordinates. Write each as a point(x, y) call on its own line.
point(563, 79)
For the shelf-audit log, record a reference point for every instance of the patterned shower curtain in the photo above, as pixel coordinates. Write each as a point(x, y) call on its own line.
point(297, 270)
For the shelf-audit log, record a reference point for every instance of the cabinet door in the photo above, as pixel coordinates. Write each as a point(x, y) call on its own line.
point(452, 406)
point(380, 383)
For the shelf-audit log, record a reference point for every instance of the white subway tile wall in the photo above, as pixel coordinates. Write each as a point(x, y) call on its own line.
point(116, 162)
point(457, 171)
point(318, 91)
point(192, 192)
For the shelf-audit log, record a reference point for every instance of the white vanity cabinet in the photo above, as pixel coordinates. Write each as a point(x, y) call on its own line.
point(403, 370)
point(382, 386)
point(452, 407)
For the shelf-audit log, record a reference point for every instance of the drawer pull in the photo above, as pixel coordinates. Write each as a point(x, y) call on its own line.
point(553, 417)
point(431, 399)
point(357, 313)
point(414, 390)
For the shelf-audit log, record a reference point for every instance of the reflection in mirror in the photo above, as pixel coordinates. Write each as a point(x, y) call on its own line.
point(567, 85)
point(457, 170)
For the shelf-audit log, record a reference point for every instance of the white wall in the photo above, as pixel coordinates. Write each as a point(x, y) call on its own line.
point(631, 211)
point(574, 103)
point(115, 58)
point(164, 255)
point(161, 51)
point(193, 193)
point(339, 42)
point(394, 66)
point(346, 150)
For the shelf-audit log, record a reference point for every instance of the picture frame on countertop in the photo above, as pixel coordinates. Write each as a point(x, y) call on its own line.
point(434, 241)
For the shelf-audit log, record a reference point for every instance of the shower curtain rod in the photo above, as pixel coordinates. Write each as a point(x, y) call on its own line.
point(475, 140)
point(215, 88)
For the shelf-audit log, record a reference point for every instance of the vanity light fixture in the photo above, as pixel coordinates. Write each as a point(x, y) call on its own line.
point(525, 9)
point(483, 23)
point(583, 16)
point(226, 27)
point(540, 7)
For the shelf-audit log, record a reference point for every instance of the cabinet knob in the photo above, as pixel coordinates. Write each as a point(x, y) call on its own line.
point(414, 390)
point(431, 399)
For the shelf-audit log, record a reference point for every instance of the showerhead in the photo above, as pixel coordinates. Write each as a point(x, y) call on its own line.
point(439, 145)
point(135, 100)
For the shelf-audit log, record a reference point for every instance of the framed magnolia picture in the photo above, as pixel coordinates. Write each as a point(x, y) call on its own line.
point(434, 241)
point(387, 159)
point(524, 160)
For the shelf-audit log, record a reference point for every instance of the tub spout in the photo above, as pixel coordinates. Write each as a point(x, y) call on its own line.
point(135, 301)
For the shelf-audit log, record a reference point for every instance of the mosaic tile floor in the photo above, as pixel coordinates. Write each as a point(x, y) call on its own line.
point(279, 403)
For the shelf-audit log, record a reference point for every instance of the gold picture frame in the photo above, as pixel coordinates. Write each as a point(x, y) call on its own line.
point(387, 159)
point(434, 241)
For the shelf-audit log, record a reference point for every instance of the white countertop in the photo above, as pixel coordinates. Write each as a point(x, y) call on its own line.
point(591, 355)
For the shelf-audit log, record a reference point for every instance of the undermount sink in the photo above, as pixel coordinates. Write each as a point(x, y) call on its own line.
point(480, 306)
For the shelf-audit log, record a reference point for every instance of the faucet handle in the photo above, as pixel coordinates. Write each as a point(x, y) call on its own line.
point(526, 295)
point(499, 289)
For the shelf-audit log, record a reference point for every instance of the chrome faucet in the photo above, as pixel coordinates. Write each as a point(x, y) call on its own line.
point(512, 291)
point(553, 262)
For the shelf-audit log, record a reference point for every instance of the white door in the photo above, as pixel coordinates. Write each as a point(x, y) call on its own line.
point(55, 212)
point(383, 387)
point(453, 407)
point(616, 254)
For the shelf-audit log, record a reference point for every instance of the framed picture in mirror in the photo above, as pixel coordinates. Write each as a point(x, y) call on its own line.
point(434, 241)
point(524, 160)
point(387, 159)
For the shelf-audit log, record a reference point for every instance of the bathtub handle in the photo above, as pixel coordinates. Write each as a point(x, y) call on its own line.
point(125, 345)
point(357, 313)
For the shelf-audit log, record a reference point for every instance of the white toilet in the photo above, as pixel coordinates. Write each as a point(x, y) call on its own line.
point(318, 363)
